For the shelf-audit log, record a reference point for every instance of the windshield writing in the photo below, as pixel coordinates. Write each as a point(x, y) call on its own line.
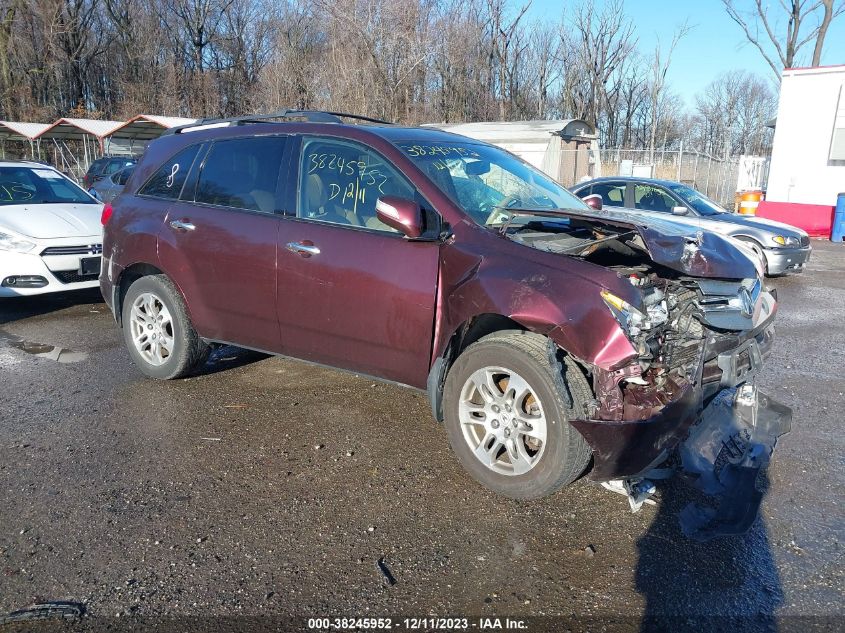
point(26, 185)
point(486, 182)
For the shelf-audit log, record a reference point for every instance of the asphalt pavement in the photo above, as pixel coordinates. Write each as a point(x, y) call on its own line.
point(268, 488)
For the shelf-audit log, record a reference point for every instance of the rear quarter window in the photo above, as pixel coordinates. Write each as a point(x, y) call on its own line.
point(116, 165)
point(168, 180)
point(97, 166)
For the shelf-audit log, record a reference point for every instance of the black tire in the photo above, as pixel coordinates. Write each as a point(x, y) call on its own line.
point(189, 350)
point(566, 454)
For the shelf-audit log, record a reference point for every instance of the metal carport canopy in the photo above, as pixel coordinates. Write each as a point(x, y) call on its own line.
point(78, 129)
point(19, 131)
point(146, 127)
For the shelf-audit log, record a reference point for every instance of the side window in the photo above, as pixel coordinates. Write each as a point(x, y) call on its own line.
point(114, 166)
point(242, 173)
point(168, 180)
point(97, 166)
point(649, 198)
point(122, 176)
point(612, 193)
point(341, 181)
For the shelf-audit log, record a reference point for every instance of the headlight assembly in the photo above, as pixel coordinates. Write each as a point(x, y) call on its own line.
point(632, 320)
point(783, 240)
point(14, 243)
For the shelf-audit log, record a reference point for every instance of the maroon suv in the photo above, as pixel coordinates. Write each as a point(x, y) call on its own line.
point(549, 340)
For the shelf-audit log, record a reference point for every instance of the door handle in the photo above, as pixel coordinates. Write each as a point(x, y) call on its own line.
point(182, 225)
point(306, 248)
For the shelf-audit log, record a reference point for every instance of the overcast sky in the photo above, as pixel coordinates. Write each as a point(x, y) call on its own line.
point(714, 45)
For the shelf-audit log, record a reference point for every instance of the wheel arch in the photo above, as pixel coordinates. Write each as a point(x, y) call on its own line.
point(757, 246)
point(748, 238)
point(467, 333)
point(130, 275)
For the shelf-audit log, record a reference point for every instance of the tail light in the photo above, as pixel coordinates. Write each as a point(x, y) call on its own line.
point(106, 216)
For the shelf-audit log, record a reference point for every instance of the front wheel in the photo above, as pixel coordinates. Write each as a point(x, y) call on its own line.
point(507, 408)
point(758, 251)
point(158, 332)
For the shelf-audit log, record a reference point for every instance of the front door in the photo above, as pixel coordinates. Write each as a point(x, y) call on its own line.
point(219, 241)
point(352, 292)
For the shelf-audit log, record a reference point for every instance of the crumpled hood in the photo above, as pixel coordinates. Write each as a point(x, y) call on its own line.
point(683, 247)
point(44, 221)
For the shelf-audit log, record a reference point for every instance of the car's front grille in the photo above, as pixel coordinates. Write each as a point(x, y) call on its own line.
point(805, 241)
point(88, 249)
point(73, 276)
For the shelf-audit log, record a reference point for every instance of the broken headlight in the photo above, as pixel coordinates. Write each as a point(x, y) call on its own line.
point(632, 320)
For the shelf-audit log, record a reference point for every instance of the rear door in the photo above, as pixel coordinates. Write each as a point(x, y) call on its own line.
point(219, 240)
point(352, 292)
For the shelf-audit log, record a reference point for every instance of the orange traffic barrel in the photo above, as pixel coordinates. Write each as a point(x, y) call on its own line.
point(749, 201)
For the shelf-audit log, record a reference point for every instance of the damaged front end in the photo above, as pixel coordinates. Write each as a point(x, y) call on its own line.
point(685, 399)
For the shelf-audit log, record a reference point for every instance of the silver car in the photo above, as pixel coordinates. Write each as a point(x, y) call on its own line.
point(781, 247)
point(109, 187)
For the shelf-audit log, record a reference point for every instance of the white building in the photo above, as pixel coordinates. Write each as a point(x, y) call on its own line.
point(808, 156)
point(567, 150)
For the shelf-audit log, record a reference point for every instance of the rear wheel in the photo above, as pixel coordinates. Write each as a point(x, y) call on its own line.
point(507, 409)
point(158, 332)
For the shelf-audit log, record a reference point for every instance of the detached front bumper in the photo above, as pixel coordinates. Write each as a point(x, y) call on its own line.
point(719, 432)
point(782, 260)
point(724, 456)
point(629, 448)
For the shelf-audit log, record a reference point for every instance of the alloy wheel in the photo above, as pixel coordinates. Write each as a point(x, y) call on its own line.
point(502, 421)
point(152, 328)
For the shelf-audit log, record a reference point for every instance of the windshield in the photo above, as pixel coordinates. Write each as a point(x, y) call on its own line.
point(698, 201)
point(35, 185)
point(486, 181)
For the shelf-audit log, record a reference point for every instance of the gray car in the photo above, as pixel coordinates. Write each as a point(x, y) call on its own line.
point(109, 187)
point(781, 247)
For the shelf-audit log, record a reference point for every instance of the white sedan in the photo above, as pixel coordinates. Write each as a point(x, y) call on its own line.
point(51, 239)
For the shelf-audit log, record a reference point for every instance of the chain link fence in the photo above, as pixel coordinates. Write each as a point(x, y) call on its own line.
point(719, 179)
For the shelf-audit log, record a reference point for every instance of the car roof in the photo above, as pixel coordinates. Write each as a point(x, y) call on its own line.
point(9, 162)
point(391, 133)
point(636, 179)
point(396, 133)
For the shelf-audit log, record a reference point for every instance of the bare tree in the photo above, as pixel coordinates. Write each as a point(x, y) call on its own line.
point(604, 42)
point(659, 67)
point(7, 22)
point(803, 25)
point(413, 61)
point(731, 115)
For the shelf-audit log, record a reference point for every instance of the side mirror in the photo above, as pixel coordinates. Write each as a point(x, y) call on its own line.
point(404, 215)
point(680, 211)
point(593, 201)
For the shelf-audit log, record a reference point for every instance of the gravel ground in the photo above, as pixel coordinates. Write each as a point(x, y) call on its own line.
point(271, 488)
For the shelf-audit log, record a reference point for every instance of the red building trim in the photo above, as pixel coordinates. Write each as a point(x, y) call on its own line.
point(816, 219)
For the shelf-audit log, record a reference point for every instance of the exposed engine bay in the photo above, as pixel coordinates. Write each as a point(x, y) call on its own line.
point(700, 336)
point(683, 325)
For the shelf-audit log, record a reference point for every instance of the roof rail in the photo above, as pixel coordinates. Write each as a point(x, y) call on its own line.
point(312, 116)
